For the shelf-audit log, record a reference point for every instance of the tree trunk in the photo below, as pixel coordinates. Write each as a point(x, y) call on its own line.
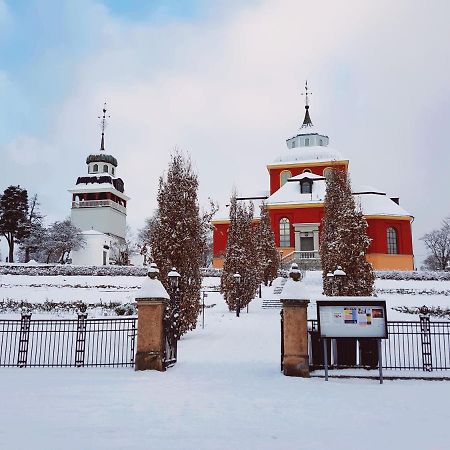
point(11, 249)
point(27, 254)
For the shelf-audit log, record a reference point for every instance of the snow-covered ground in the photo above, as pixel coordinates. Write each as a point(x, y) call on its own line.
point(225, 392)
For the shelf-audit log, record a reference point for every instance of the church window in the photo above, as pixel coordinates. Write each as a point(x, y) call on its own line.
point(285, 233)
point(306, 187)
point(105, 168)
point(95, 168)
point(327, 172)
point(392, 241)
point(284, 176)
point(306, 142)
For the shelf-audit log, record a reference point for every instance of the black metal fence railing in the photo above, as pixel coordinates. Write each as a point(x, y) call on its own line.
point(81, 342)
point(411, 345)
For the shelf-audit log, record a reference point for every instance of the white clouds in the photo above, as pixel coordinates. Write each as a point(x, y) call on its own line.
point(28, 151)
point(227, 90)
point(5, 18)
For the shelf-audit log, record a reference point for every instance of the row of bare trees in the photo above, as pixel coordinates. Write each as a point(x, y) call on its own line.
point(22, 224)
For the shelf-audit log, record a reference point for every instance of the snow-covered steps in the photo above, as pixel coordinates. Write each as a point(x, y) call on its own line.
point(269, 303)
point(278, 289)
point(273, 301)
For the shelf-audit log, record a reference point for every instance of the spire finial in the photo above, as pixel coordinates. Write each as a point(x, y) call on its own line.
point(307, 120)
point(103, 126)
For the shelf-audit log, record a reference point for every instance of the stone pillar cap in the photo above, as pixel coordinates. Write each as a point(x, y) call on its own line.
point(294, 290)
point(152, 289)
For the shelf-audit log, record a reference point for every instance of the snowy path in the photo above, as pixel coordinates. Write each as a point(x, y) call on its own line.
point(225, 392)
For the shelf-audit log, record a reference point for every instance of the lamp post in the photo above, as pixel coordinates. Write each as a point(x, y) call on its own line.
point(338, 277)
point(330, 276)
point(335, 279)
point(237, 280)
point(174, 281)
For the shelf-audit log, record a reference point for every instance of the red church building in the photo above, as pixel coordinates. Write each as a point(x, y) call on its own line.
point(295, 203)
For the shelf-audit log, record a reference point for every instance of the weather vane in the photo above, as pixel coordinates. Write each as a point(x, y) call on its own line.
point(103, 126)
point(306, 94)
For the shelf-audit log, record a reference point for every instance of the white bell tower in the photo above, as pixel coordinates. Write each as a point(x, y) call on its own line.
point(99, 204)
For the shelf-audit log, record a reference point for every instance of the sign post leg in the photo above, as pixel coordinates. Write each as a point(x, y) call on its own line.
point(325, 357)
point(380, 361)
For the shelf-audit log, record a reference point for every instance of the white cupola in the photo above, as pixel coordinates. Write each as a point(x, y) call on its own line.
point(308, 135)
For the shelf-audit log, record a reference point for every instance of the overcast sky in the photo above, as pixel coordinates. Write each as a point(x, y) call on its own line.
point(222, 81)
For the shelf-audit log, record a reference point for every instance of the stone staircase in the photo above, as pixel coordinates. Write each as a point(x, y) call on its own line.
point(274, 300)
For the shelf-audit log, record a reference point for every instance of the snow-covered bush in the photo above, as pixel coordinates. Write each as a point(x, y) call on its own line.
point(424, 275)
point(69, 270)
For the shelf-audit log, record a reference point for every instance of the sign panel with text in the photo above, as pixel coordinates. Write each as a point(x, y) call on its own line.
point(352, 318)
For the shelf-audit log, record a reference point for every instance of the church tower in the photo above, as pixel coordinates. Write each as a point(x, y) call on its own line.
point(99, 205)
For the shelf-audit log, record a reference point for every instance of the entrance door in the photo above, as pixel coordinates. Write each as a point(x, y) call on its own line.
point(306, 244)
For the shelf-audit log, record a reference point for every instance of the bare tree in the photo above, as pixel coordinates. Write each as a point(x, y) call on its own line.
point(122, 250)
point(438, 242)
point(62, 238)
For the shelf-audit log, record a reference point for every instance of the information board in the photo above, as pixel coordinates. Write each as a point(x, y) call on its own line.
point(356, 319)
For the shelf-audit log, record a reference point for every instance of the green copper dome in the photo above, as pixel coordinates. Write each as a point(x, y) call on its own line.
point(102, 157)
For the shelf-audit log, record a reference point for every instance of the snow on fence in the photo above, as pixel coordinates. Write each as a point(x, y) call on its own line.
point(411, 345)
point(81, 342)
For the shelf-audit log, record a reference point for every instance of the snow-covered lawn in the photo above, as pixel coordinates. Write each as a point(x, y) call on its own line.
point(123, 289)
point(225, 392)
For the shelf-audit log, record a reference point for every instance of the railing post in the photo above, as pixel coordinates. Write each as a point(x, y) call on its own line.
point(151, 340)
point(24, 337)
point(425, 334)
point(295, 358)
point(80, 344)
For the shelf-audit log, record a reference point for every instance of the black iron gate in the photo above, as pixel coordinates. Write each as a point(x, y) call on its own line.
point(171, 332)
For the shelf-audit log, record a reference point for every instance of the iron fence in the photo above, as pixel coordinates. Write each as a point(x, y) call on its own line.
point(80, 342)
point(411, 345)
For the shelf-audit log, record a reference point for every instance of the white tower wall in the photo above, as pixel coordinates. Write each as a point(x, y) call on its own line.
point(105, 219)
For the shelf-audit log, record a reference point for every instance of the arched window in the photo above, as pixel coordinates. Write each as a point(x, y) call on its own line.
point(112, 170)
point(321, 142)
point(306, 142)
point(105, 168)
point(285, 233)
point(95, 168)
point(392, 241)
point(307, 171)
point(327, 172)
point(284, 176)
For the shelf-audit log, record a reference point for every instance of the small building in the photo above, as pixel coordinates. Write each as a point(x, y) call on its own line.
point(297, 185)
point(99, 208)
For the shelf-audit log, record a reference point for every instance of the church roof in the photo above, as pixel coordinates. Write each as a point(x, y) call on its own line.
point(308, 154)
point(102, 157)
point(306, 176)
point(372, 203)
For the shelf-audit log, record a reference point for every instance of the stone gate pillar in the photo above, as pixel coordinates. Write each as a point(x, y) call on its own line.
point(151, 303)
point(295, 327)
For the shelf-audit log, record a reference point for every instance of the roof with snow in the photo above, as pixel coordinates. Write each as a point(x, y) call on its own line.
point(308, 154)
point(290, 193)
point(306, 176)
point(372, 202)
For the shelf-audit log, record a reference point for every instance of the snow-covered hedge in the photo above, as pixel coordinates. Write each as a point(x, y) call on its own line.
point(111, 308)
point(68, 270)
point(423, 275)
